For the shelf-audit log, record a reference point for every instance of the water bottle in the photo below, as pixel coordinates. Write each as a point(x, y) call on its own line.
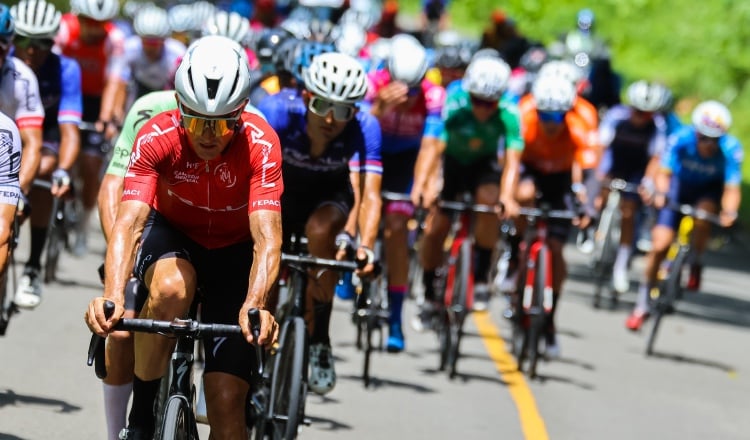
point(345, 286)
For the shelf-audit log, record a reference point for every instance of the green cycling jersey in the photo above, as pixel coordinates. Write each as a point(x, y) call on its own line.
point(468, 140)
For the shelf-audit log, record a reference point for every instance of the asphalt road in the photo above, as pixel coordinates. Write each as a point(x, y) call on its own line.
point(696, 386)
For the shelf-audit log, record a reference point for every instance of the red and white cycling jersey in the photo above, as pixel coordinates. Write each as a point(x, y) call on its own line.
point(209, 201)
point(98, 62)
point(19, 94)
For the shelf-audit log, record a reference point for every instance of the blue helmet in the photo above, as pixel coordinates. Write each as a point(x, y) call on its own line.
point(585, 19)
point(7, 24)
point(308, 51)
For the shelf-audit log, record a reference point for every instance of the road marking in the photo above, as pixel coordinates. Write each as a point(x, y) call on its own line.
point(532, 423)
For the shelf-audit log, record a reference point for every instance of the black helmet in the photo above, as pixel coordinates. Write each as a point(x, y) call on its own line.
point(268, 42)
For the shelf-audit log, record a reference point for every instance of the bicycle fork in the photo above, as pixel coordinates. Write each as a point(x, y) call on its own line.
point(528, 290)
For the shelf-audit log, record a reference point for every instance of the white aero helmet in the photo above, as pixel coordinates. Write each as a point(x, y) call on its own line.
point(553, 94)
point(36, 19)
point(648, 96)
point(336, 77)
point(351, 39)
point(486, 78)
point(213, 78)
point(408, 61)
point(228, 24)
point(152, 21)
point(100, 10)
point(712, 119)
point(562, 69)
point(181, 18)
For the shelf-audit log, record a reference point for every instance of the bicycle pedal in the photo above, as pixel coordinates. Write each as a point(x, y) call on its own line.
point(307, 421)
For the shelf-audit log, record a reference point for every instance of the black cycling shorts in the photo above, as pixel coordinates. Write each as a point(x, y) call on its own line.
point(223, 283)
point(555, 191)
point(458, 178)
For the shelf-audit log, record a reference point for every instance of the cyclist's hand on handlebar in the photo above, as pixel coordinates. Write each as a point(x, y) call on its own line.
point(269, 328)
point(95, 319)
point(366, 257)
point(727, 219)
point(509, 208)
point(60, 182)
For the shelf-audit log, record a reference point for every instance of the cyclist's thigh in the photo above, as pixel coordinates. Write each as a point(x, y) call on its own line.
point(161, 240)
point(555, 189)
point(223, 276)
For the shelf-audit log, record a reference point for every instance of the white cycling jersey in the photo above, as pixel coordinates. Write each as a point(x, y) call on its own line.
point(19, 94)
point(10, 161)
point(143, 75)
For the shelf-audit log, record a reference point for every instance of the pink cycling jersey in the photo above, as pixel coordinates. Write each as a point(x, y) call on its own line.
point(209, 201)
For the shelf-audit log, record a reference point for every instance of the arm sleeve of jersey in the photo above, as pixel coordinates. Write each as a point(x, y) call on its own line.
point(116, 56)
point(607, 128)
point(434, 101)
point(658, 142)
point(71, 101)
point(30, 112)
point(142, 173)
point(132, 50)
point(669, 160)
point(734, 156)
point(511, 118)
point(10, 153)
point(266, 183)
point(370, 149)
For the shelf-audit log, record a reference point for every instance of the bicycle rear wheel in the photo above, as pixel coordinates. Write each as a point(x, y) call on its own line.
point(459, 304)
point(56, 241)
point(179, 423)
point(606, 238)
point(287, 391)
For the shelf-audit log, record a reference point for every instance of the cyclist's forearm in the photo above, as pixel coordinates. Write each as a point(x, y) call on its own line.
point(31, 156)
point(427, 161)
point(121, 248)
point(110, 99)
point(265, 228)
point(509, 179)
point(351, 221)
point(70, 144)
point(730, 199)
point(369, 212)
point(110, 192)
point(662, 180)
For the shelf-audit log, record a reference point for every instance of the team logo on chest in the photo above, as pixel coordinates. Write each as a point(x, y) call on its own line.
point(224, 175)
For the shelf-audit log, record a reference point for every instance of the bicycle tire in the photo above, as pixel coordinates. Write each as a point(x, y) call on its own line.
point(538, 319)
point(7, 308)
point(460, 303)
point(604, 249)
point(287, 380)
point(444, 338)
point(665, 302)
point(55, 244)
point(179, 424)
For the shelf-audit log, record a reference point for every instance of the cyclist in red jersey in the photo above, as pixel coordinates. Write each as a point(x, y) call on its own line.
point(90, 37)
point(196, 176)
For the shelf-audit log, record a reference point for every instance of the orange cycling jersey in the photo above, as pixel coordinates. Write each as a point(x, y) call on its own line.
point(552, 154)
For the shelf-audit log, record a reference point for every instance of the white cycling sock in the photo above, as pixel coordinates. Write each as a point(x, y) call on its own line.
point(116, 399)
point(641, 302)
point(623, 255)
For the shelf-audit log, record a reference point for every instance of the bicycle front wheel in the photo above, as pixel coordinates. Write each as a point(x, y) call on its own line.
point(6, 303)
point(287, 379)
point(56, 241)
point(460, 303)
point(538, 319)
point(179, 423)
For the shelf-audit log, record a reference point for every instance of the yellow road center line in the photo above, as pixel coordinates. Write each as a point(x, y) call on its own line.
point(532, 423)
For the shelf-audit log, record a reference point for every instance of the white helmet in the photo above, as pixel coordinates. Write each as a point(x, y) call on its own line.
point(202, 12)
point(712, 119)
point(408, 63)
point(562, 69)
point(100, 10)
point(486, 78)
point(553, 94)
point(297, 28)
point(181, 18)
point(228, 24)
point(36, 18)
point(351, 39)
point(213, 78)
point(152, 22)
point(648, 97)
point(336, 77)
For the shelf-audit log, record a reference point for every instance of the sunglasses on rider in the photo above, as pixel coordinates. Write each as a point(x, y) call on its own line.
point(708, 139)
point(220, 126)
point(36, 43)
point(341, 112)
point(479, 102)
point(5, 43)
point(556, 117)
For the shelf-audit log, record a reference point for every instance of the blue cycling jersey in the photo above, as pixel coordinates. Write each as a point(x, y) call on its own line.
point(683, 160)
point(356, 149)
point(60, 89)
